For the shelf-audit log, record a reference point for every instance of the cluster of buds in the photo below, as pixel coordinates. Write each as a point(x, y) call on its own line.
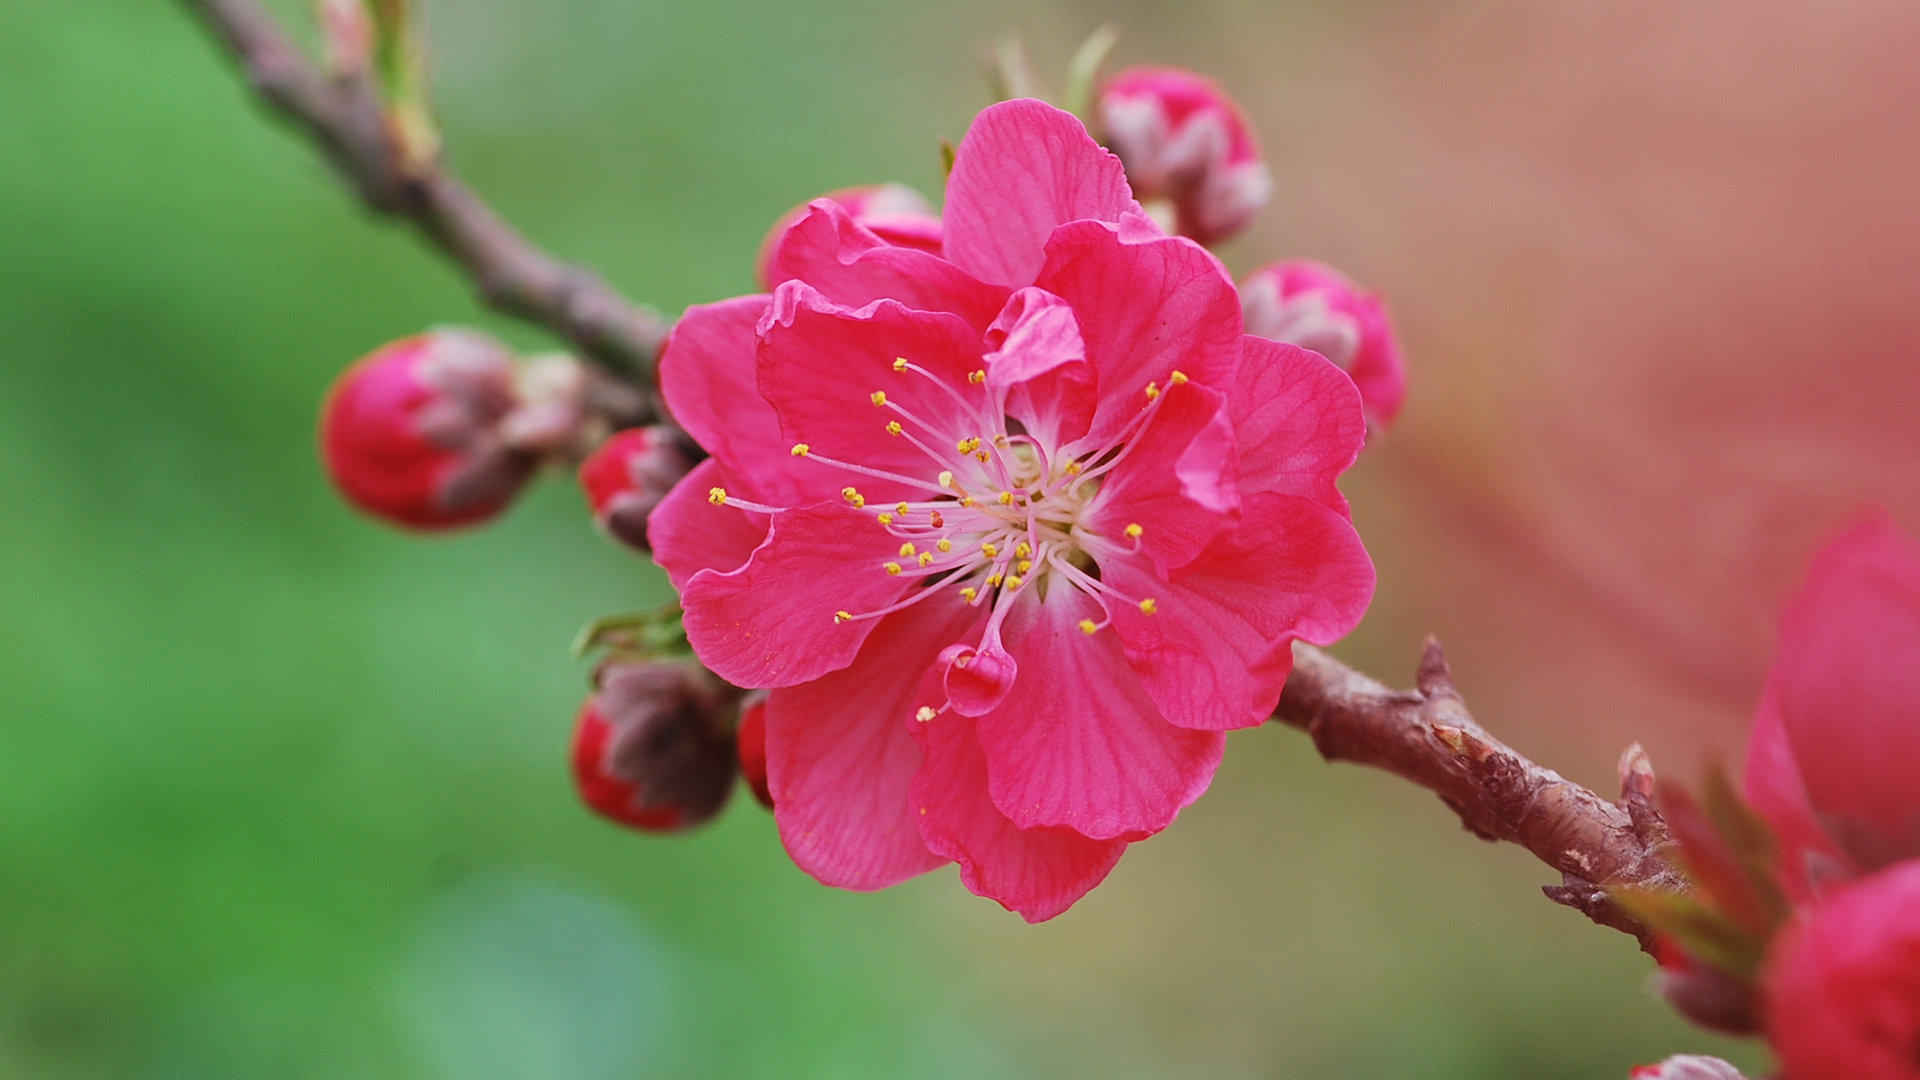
point(654, 746)
point(628, 476)
point(1804, 920)
point(445, 428)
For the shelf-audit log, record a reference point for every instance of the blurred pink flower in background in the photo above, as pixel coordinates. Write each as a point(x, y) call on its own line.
point(1184, 141)
point(1312, 305)
point(1013, 533)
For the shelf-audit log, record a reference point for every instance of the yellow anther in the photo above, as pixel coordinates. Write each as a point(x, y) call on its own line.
point(901, 508)
point(1134, 530)
point(1006, 498)
point(1013, 581)
point(990, 550)
point(899, 363)
point(894, 428)
point(717, 496)
point(801, 449)
point(1024, 565)
point(995, 579)
point(841, 616)
point(968, 445)
point(982, 457)
point(925, 714)
point(886, 518)
point(1149, 606)
point(977, 376)
point(1073, 468)
point(858, 500)
point(1153, 390)
point(926, 558)
point(878, 397)
point(1088, 626)
point(1023, 550)
point(893, 568)
point(968, 500)
point(906, 550)
point(944, 544)
point(969, 593)
point(945, 478)
point(1177, 377)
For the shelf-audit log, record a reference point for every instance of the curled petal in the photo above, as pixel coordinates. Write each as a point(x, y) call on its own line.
point(853, 266)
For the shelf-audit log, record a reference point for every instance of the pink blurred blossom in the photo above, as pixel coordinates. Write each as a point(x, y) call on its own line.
point(1184, 140)
point(1312, 305)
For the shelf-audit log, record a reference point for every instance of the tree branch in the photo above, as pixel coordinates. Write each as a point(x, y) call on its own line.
point(345, 118)
point(1427, 736)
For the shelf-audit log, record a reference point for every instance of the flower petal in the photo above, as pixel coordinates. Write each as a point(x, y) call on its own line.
point(841, 756)
point(1848, 685)
point(1217, 649)
point(1175, 480)
point(1771, 783)
point(1298, 420)
point(1024, 169)
point(1078, 743)
point(771, 621)
point(1036, 872)
point(853, 265)
point(708, 376)
point(822, 365)
point(1038, 366)
point(688, 534)
point(1149, 305)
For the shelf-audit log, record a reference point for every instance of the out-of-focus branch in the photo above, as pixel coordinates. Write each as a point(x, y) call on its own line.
point(345, 117)
point(1427, 736)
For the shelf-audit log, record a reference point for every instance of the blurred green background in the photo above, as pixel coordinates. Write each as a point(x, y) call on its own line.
point(284, 791)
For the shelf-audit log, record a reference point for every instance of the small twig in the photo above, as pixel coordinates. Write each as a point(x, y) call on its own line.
point(345, 118)
point(1427, 736)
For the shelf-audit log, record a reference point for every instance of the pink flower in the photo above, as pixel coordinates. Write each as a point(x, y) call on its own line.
point(1842, 989)
point(1312, 305)
point(628, 476)
point(1013, 532)
point(1183, 140)
point(411, 433)
point(893, 212)
point(1687, 1067)
point(1834, 760)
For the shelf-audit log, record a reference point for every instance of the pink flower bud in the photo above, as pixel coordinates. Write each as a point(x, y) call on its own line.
point(1314, 306)
point(1183, 141)
point(409, 433)
point(652, 748)
point(753, 747)
point(1842, 988)
point(1837, 742)
point(895, 213)
point(1687, 1067)
point(628, 476)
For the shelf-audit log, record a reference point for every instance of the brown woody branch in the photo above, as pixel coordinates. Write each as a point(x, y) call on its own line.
point(345, 117)
point(1424, 735)
point(1427, 736)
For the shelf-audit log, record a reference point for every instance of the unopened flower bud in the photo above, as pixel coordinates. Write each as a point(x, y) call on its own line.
point(652, 748)
point(753, 747)
point(1709, 997)
point(628, 476)
point(1185, 143)
point(1687, 1067)
point(895, 213)
point(1314, 306)
point(410, 432)
point(1843, 982)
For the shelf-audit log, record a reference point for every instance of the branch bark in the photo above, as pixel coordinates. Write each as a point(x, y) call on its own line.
point(1427, 736)
point(346, 119)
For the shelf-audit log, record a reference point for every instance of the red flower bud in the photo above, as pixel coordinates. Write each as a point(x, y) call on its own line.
point(409, 433)
point(1687, 1067)
point(1183, 141)
point(1314, 306)
point(628, 476)
point(753, 747)
point(1842, 987)
point(652, 748)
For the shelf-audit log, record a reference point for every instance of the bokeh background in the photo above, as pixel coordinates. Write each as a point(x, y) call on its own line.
point(283, 792)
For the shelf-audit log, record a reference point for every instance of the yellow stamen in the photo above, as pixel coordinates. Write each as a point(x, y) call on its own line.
point(925, 714)
point(968, 500)
point(801, 449)
point(893, 568)
point(1134, 530)
point(879, 397)
point(1023, 550)
point(886, 518)
point(1177, 377)
point(995, 579)
point(1025, 565)
point(1087, 626)
point(901, 508)
point(894, 428)
point(906, 550)
point(945, 478)
point(944, 544)
point(1149, 606)
point(981, 457)
point(926, 558)
point(840, 617)
point(1014, 580)
point(990, 550)
point(717, 496)
point(1073, 468)
point(977, 376)
point(899, 363)
point(1006, 498)
point(969, 593)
